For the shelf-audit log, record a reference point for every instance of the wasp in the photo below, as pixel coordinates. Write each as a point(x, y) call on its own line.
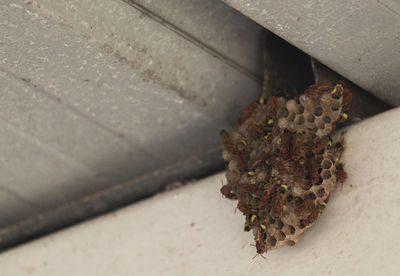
point(296, 154)
point(244, 208)
point(271, 107)
point(313, 217)
point(346, 97)
point(226, 141)
point(278, 207)
point(251, 188)
point(260, 244)
point(306, 207)
point(255, 131)
point(246, 113)
point(226, 191)
point(313, 169)
point(298, 173)
point(340, 173)
point(286, 145)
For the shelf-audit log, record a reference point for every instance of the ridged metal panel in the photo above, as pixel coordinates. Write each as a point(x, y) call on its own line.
point(103, 103)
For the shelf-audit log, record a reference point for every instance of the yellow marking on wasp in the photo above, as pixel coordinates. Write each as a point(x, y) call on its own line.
point(263, 226)
point(261, 101)
point(270, 122)
point(323, 203)
point(253, 218)
point(243, 142)
point(284, 186)
point(344, 115)
point(250, 173)
point(279, 182)
point(334, 90)
point(266, 136)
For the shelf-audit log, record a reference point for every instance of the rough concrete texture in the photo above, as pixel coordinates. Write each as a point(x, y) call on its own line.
point(160, 53)
point(212, 26)
point(96, 94)
point(193, 231)
point(359, 39)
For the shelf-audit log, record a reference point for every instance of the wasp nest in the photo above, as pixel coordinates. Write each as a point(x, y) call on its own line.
point(282, 162)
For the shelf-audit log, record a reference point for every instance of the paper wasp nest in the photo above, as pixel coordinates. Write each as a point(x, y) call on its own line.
point(282, 162)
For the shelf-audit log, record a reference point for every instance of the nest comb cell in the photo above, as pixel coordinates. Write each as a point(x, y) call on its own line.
point(282, 162)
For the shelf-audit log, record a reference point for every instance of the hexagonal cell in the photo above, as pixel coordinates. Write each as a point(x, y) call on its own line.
point(326, 174)
point(271, 241)
point(280, 236)
point(337, 92)
point(318, 111)
point(300, 109)
point(336, 106)
point(310, 118)
point(299, 120)
point(326, 164)
point(327, 119)
point(291, 117)
point(291, 105)
point(321, 192)
point(291, 243)
point(283, 123)
point(303, 99)
point(319, 123)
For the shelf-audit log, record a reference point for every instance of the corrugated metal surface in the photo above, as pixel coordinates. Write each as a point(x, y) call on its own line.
point(105, 102)
point(360, 39)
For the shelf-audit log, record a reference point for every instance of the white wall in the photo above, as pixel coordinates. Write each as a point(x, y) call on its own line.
point(194, 231)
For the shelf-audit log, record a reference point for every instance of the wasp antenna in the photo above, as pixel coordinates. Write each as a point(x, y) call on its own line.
point(257, 255)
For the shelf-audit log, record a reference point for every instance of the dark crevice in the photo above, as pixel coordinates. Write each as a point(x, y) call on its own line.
point(287, 70)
